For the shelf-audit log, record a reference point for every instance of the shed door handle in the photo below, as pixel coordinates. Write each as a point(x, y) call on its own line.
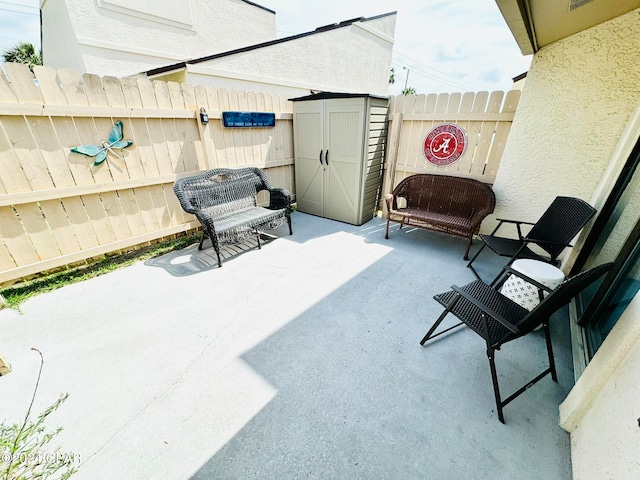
point(320, 158)
point(326, 158)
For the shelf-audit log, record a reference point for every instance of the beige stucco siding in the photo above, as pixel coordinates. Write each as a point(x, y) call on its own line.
point(579, 95)
point(602, 411)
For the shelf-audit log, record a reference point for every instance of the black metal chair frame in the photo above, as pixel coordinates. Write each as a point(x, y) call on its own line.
point(557, 226)
point(498, 319)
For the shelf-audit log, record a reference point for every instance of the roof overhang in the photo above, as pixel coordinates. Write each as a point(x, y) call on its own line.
point(538, 23)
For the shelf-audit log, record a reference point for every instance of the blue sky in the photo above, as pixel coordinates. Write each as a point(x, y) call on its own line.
point(443, 45)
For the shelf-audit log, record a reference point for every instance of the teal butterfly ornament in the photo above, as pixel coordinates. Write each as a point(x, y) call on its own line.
point(100, 151)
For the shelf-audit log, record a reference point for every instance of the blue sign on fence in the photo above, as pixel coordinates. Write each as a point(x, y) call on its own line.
point(248, 119)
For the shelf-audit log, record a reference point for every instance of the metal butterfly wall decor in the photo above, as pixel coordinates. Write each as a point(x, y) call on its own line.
point(100, 151)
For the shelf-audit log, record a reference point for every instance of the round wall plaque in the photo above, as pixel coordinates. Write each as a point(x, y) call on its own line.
point(445, 144)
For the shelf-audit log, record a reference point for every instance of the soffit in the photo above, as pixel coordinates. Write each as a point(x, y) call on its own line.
point(538, 23)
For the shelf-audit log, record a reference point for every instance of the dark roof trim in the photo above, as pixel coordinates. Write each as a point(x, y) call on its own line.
point(259, 6)
point(519, 77)
point(327, 95)
point(183, 64)
point(525, 12)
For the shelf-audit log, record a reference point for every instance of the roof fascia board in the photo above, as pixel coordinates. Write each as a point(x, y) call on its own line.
point(515, 15)
point(259, 6)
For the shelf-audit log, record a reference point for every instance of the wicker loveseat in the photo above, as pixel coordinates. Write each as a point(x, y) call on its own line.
point(224, 200)
point(443, 203)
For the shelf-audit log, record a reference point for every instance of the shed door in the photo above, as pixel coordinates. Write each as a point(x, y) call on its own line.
point(343, 141)
point(309, 171)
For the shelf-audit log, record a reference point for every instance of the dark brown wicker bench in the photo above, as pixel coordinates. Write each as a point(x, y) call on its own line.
point(443, 203)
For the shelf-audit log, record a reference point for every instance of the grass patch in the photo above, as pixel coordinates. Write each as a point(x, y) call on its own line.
point(14, 296)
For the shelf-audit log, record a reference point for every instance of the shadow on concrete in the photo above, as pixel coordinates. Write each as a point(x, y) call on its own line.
point(356, 396)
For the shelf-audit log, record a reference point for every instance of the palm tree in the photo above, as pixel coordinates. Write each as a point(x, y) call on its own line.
point(23, 52)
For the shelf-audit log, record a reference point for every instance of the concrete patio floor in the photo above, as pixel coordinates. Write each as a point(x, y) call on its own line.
point(299, 360)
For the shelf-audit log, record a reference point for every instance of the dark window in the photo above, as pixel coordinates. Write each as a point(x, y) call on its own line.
point(614, 237)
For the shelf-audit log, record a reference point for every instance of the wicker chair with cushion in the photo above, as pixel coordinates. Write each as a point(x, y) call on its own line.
point(225, 202)
point(498, 319)
point(557, 226)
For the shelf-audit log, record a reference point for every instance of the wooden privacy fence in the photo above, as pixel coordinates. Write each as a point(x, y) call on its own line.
point(486, 119)
point(57, 209)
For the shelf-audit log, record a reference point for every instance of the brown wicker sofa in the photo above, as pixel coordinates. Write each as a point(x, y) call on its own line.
point(443, 203)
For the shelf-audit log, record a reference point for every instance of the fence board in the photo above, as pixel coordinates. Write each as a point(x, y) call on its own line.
point(48, 84)
point(61, 229)
point(71, 86)
point(37, 230)
point(99, 220)
point(15, 239)
point(23, 84)
point(12, 178)
point(24, 146)
point(227, 135)
point(6, 93)
point(54, 159)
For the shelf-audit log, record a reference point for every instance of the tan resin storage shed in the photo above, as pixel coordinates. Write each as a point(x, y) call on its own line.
point(339, 142)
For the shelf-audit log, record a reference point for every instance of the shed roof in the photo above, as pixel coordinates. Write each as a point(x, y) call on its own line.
point(326, 95)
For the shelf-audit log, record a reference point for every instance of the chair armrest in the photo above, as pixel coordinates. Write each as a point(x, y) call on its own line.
point(490, 312)
point(505, 220)
point(545, 242)
point(388, 199)
point(279, 198)
point(478, 216)
point(517, 223)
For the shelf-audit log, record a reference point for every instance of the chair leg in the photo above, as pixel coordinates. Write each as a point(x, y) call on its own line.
point(474, 259)
point(430, 334)
point(552, 363)
point(434, 326)
point(386, 233)
point(289, 222)
point(494, 379)
point(216, 247)
point(466, 253)
point(258, 237)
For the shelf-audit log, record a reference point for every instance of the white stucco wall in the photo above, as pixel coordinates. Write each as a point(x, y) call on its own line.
point(603, 409)
point(355, 58)
point(579, 95)
point(121, 37)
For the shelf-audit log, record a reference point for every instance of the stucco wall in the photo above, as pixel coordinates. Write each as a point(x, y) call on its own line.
point(356, 59)
point(154, 33)
point(579, 95)
point(605, 435)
